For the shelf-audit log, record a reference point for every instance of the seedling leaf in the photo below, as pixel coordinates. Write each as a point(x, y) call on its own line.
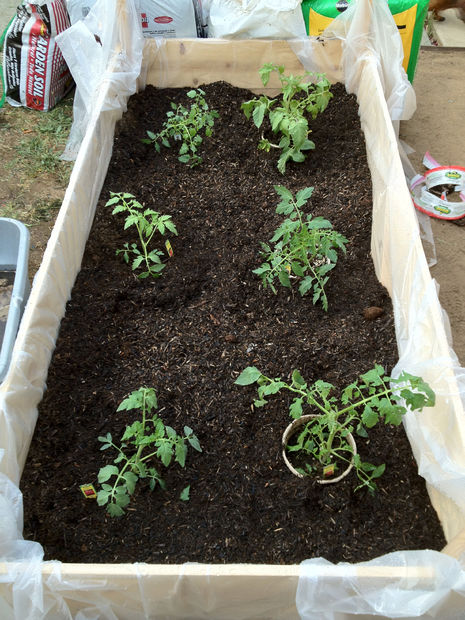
point(185, 494)
point(248, 376)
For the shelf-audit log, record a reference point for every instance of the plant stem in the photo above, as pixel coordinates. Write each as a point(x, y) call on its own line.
point(367, 399)
point(332, 434)
point(120, 475)
point(139, 450)
point(302, 393)
point(141, 238)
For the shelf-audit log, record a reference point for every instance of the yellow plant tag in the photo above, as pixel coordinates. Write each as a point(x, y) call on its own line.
point(329, 470)
point(88, 491)
point(169, 249)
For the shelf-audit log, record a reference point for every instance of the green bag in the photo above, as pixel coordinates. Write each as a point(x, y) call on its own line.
point(409, 16)
point(2, 40)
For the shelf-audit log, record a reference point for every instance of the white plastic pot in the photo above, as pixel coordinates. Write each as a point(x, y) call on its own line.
point(292, 429)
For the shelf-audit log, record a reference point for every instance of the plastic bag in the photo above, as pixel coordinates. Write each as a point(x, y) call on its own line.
point(35, 73)
point(78, 9)
point(256, 19)
point(407, 14)
point(168, 18)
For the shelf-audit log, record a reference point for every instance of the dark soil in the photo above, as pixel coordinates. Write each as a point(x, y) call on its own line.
point(191, 332)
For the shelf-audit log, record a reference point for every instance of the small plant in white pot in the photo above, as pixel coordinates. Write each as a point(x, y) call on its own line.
point(321, 443)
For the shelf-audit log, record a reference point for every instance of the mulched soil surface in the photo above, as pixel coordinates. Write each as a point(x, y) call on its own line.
point(192, 331)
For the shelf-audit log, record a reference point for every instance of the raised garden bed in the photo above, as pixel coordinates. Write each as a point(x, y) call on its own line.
point(192, 331)
point(204, 590)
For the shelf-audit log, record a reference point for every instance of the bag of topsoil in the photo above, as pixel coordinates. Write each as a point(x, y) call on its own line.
point(409, 16)
point(35, 73)
point(171, 18)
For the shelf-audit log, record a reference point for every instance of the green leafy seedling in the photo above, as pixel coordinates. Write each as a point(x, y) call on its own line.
point(186, 126)
point(143, 441)
point(147, 223)
point(372, 399)
point(302, 248)
point(301, 95)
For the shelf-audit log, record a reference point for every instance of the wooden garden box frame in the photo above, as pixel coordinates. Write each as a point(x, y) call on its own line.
point(230, 590)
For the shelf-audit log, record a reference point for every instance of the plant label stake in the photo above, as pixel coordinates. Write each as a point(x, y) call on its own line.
point(328, 471)
point(88, 491)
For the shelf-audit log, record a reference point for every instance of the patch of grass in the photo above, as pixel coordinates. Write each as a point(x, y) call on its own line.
point(37, 155)
point(14, 211)
point(45, 210)
point(33, 178)
point(38, 139)
point(41, 210)
point(58, 121)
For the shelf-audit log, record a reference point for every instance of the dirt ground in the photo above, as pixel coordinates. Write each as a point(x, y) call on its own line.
point(438, 127)
point(33, 179)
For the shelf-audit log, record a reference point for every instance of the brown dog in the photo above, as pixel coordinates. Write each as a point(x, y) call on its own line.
point(442, 5)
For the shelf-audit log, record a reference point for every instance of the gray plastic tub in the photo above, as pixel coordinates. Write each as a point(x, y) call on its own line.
point(14, 285)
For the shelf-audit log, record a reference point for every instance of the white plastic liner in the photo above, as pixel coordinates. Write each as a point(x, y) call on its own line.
point(392, 585)
point(99, 54)
point(408, 584)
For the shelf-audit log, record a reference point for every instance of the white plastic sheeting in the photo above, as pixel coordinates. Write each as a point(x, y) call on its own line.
point(415, 592)
point(404, 584)
point(99, 52)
